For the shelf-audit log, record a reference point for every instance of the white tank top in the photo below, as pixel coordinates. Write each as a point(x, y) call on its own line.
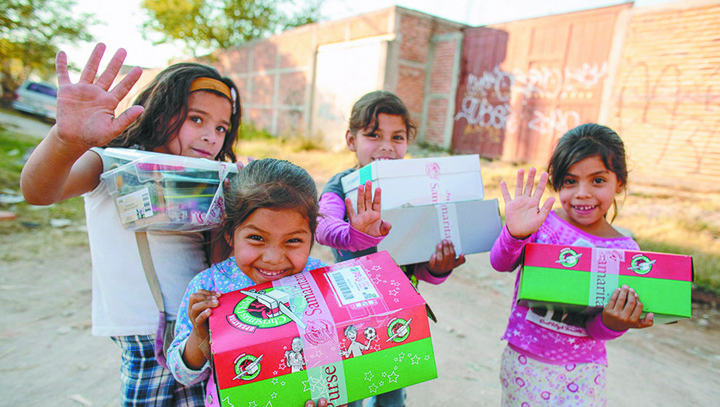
point(122, 303)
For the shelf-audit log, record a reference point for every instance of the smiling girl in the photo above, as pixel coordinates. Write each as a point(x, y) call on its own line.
point(188, 110)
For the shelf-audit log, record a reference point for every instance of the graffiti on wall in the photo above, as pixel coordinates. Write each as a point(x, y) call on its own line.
point(487, 104)
point(688, 105)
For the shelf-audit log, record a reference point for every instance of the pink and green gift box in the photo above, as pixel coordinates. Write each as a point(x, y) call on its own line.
point(343, 332)
point(581, 279)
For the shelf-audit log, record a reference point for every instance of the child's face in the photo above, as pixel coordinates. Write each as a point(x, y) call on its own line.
point(388, 142)
point(203, 132)
point(587, 193)
point(272, 244)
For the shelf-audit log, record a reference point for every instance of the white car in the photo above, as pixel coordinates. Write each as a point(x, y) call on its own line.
point(37, 98)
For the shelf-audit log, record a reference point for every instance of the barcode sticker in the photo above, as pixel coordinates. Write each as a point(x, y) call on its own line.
point(352, 285)
point(135, 206)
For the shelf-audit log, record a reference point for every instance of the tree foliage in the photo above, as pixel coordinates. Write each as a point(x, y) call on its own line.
point(30, 32)
point(213, 24)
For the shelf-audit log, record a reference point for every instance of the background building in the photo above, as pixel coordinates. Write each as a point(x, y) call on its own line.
point(506, 91)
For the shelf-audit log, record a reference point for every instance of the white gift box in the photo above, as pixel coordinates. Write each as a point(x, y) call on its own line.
point(473, 227)
point(419, 181)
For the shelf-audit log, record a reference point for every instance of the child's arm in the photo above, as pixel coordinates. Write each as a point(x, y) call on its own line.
point(194, 367)
point(200, 307)
point(61, 166)
point(523, 217)
point(332, 230)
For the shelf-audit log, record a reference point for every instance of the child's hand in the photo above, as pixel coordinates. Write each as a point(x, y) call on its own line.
point(86, 110)
point(321, 403)
point(200, 305)
point(523, 214)
point(443, 260)
point(623, 311)
point(367, 219)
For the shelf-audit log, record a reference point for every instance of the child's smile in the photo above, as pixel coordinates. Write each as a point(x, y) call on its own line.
point(272, 244)
point(587, 193)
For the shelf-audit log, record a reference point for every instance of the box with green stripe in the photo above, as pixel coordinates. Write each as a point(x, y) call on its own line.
point(581, 279)
point(343, 332)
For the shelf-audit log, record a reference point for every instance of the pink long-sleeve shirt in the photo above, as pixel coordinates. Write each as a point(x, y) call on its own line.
point(334, 231)
point(564, 342)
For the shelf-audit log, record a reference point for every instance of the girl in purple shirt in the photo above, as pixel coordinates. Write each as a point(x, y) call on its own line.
point(564, 363)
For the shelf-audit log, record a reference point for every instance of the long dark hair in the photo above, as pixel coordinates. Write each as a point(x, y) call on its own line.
point(166, 106)
point(273, 184)
point(365, 112)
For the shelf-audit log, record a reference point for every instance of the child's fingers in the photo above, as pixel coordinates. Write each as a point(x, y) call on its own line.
point(123, 88)
point(621, 298)
point(647, 322)
point(385, 228)
point(519, 182)
point(107, 77)
point(61, 69)
point(530, 182)
point(460, 260)
point(541, 186)
point(127, 118)
point(361, 198)
point(90, 70)
point(376, 202)
point(349, 210)
point(613, 299)
point(505, 193)
point(547, 206)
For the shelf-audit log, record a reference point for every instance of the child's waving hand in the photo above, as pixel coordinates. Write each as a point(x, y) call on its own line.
point(86, 110)
point(523, 214)
point(623, 311)
point(368, 218)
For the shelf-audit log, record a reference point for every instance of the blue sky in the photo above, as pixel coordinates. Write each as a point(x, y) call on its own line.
point(123, 19)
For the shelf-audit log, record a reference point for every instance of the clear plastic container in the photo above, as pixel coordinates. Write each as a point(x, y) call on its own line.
point(154, 191)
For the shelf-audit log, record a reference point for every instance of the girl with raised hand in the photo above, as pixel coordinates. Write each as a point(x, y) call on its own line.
point(565, 362)
point(189, 110)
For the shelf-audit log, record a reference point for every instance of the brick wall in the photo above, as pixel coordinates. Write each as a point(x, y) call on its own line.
point(666, 95)
point(427, 74)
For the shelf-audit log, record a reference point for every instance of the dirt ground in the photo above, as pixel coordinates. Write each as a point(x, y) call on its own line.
point(49, 358)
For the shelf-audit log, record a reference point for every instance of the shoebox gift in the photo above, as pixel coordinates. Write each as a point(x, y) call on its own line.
point(582, 279)
point(154, 191)
point(472, 226)
point(419, 181)
point(343, 332)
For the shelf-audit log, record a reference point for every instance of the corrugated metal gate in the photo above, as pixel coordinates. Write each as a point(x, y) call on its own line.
point(524, 84)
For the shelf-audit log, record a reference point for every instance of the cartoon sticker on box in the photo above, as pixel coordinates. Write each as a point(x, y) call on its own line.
point(267, 308)
point(247, 367)
point(398, 330)
point(641, 264)
point(294, 358)
point(356, 348)
point(568, 258)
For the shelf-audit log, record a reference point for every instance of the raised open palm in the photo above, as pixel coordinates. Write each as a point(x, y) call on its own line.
point(523, 213)
point(368, 217)
point(86, 109)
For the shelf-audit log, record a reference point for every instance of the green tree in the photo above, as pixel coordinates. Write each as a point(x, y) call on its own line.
point(212, 24)
point(30, 32)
